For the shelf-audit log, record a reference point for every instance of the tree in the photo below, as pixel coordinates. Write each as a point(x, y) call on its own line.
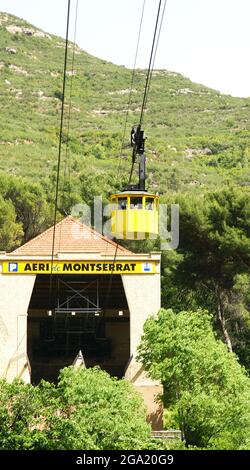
point(18, 407)
point(214, 249)
point(110, 410)
point(10, 230)
point(206, 391)
point(29, 200)
point(87, 410)
point(94, 184)
point(240, 307)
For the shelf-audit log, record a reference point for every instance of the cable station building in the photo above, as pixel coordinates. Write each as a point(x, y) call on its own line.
point(96, 302)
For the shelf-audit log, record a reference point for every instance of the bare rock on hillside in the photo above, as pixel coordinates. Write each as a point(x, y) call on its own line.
point(194, 152)
point(13, 29)
point(19, 70)
point(11, 50)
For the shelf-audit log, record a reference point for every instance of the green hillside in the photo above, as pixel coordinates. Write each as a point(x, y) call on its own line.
point(197, 137)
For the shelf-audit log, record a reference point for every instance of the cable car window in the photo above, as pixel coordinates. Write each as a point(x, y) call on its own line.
point(122, 203)
point(136, 203)
point(149, 203)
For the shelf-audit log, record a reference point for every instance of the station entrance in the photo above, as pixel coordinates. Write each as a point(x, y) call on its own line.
point(80, 312)
point(100, 297)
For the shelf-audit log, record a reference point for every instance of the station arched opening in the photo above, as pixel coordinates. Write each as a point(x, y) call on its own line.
point(85, 313)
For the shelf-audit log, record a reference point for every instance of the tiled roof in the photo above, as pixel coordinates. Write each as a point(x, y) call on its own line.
point(70, 236)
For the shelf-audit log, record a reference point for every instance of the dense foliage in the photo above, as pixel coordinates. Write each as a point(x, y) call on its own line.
point(211, 266)
point(26, 206)
point(206, 391)
point(86, 410)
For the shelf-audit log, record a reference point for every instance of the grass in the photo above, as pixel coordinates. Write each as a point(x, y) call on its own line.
point(182, 119)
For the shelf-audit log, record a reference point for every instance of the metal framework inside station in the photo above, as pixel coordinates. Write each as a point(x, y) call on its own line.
point(82, 317)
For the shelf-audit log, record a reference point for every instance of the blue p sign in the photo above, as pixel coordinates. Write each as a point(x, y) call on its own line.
point(13, 267)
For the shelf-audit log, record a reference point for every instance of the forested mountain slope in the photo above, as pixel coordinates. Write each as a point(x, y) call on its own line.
point(197, 137)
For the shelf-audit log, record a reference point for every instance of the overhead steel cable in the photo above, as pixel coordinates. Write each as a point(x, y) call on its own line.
point(111, 277)
point(67, 156)
point(150, 64)
point(156, 48)
point(59, 153)
point(131, 85)
point(67, 164)
point(148, 78)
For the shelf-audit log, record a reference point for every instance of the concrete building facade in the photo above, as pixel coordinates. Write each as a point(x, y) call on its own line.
point(97, 301)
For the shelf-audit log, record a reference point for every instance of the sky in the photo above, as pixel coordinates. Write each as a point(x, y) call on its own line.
point(208, 41)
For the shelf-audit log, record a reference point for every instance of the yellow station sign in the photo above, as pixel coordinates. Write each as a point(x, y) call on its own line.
point(79, 267)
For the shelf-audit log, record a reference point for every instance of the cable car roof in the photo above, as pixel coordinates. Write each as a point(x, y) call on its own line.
point(137, 193)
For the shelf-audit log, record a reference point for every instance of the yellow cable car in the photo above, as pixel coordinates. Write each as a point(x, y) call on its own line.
point(135, 215)
point(134, 211)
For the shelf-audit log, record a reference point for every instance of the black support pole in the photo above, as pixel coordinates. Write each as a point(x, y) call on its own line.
point(142, 172)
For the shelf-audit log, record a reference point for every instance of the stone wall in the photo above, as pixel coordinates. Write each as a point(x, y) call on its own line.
point(15, 293)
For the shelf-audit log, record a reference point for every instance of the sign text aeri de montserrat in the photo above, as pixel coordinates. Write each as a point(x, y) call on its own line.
point(78, 267)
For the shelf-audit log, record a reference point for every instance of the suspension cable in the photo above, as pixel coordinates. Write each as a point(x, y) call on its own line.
point(67, 155)
point(156, 48)
point(59, 153)
point(131, 86)
point(149, 77)
point(150, 65)
point(111, 277)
